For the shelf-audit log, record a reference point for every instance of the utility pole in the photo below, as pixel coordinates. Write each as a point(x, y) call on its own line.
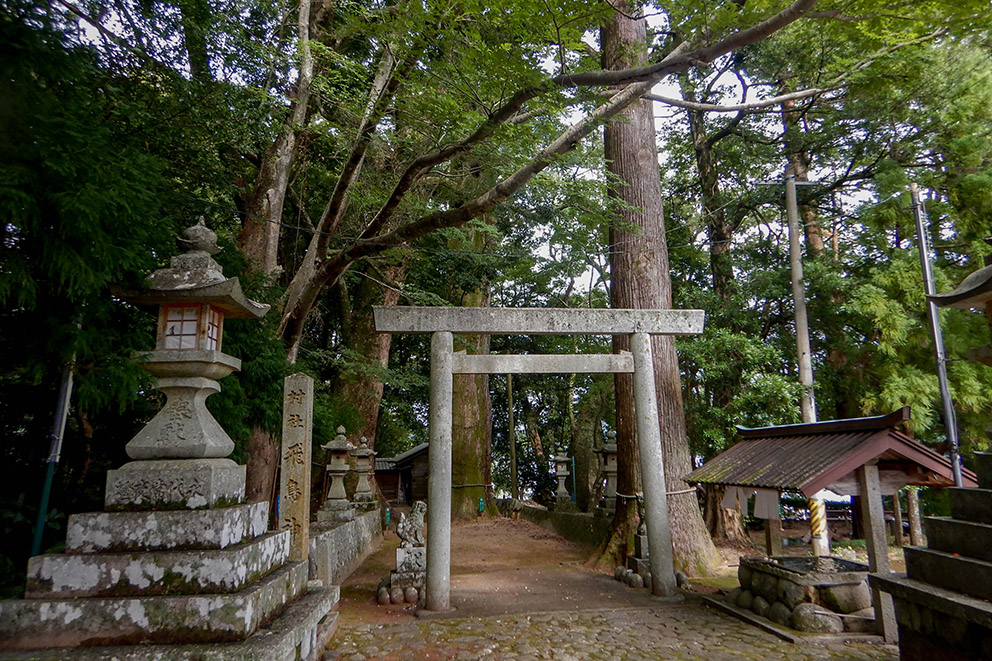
point(950, 419)
point(807, 405)
point(514, 488)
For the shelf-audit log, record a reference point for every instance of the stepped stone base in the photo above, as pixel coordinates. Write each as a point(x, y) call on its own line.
point(62, 576)
point(164, 530)
point(961, 537)
point(300, 634)
point(937, 624)
point(175, 484)
point(971, 504)
point(336, 511)
point(34, 623)
point(950, 571)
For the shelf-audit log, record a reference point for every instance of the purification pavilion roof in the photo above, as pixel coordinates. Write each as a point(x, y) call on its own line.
point(820, 455)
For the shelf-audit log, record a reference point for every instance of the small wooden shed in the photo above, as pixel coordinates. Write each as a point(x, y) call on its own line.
point(403, 479)
point(864, 457)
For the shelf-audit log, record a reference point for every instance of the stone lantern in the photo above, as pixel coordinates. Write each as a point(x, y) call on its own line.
point(181, 454)
point(364, 497)
point(608, 454)
point(336, 506)
point(563, 499)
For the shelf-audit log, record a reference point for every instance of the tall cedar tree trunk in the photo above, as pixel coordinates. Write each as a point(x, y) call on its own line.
point(472, 417)
point(640, 278)
point(723, 524)
point(259, 240)
point(361, 387)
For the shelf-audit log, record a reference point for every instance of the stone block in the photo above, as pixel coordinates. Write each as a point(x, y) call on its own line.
point(814, 619)
point(792, 594)
point(40, 623)
point(962, 537)
point(175, 484)
point(983, 469)
point(640, 566)
point(760, 606)
point(744, 577)
point(766, 585)
point(745, 600)
point(165, 530)
point(335, 511)
point(641, 546)
point(413, 579)
point(846, 598)
point(336, 552)
point(780, 614)
point(971, 504)
point(411, 559)
point(300, 633)
point(62, 576)
point(953, 572)
point(862, 621)
point(732, 596)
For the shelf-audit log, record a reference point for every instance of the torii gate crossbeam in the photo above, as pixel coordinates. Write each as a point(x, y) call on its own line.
point(443, 322)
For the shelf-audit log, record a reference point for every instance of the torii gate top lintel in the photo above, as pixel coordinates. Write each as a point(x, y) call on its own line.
point(537, 321)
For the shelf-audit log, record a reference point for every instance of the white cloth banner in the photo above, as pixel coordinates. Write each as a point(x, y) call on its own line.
point(766, 504)
point(735, 494)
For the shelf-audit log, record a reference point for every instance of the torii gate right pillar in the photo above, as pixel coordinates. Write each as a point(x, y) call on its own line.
point(663, 583)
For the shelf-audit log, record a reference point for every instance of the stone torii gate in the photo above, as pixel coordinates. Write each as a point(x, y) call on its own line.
point(442, 322)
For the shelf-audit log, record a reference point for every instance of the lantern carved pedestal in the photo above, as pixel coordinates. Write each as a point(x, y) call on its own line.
point(178, 556)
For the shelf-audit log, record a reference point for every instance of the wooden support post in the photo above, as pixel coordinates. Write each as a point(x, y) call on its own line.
point(897, 524)
point(773, 537)
point(294, 480)
point(878, 548)
point(913, 513)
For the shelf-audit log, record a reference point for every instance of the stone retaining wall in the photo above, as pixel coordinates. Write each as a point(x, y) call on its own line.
point(337, 551)
point(583, 529)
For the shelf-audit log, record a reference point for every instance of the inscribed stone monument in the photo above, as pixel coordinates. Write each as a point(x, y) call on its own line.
point(294, 480)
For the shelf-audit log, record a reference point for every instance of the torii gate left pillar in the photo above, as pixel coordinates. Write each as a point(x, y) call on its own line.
point(443, 322)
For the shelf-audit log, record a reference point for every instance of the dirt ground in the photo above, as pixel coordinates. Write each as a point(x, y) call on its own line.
point(497, 566)
point(504, 566)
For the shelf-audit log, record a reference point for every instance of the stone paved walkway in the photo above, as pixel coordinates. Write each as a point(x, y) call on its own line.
point(689, 630)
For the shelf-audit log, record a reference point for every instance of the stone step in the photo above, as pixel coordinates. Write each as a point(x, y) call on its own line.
point(973, 540)
point(97, 532)
point(39, 623)
point(970, 504)
point(63, 576)
point(300, 633)
point(953, 572)
point(983, 469)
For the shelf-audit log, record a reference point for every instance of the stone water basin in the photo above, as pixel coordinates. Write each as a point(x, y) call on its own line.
point(822, 594)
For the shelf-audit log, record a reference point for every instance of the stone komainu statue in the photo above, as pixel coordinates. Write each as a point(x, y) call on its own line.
point(411, 529)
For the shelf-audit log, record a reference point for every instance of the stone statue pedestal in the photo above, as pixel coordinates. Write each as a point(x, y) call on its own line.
point(411, 566)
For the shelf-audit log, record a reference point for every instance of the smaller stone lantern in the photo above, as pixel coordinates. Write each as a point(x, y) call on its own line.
point(336, 507)
point(364, 497)
point(608, 454)
point(563, 499)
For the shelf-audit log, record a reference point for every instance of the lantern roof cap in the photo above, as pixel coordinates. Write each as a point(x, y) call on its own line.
point(194, 277)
